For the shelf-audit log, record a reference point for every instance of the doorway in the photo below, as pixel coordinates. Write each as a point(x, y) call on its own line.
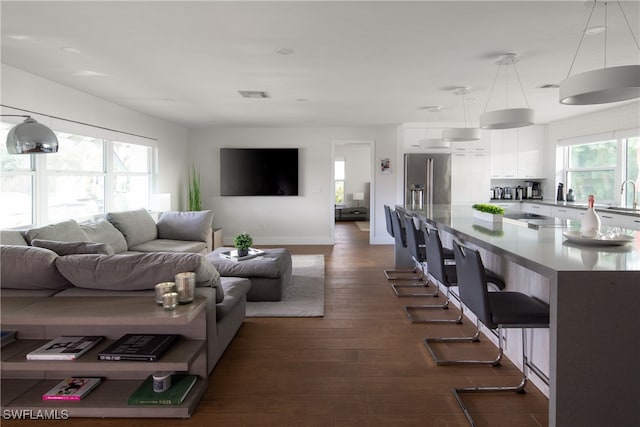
point(352, 186)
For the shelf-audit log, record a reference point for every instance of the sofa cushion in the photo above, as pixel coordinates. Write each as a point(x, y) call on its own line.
point(136, 226)
point(66, 231)
point(27, 267)
point(235, 290)
point(104, 232)
point(134, 271)
point(12, 237)
point(164, 245)
point(73, 248)
point(195, 226)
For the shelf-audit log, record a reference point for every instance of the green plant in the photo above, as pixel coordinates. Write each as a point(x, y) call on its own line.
point(195, 204)
point(485, 207)
point(243, 241)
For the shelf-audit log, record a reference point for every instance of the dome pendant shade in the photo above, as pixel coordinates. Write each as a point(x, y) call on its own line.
point(601, 86)
point(507, 119)
point(461, 134)
point(31, 137)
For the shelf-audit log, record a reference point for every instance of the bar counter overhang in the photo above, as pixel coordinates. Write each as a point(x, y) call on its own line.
point(591, 351)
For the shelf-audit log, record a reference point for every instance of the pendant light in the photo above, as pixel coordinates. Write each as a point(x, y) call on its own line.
point(466, 133)
point(30, 137)
point(602, 85)
point(427, 142)
point(509, 117)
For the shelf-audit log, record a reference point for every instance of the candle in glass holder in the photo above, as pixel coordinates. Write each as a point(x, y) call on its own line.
point(170, 300)
point(163, 288)
point(185, 287)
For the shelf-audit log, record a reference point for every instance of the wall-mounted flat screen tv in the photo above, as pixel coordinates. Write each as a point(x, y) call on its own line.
point(259, 171)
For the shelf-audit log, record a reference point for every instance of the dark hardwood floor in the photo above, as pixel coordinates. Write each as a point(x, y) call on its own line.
point(362, 364)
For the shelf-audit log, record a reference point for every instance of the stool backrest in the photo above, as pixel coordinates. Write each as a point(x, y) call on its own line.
point(435, 255)
point(387, 218)
point(398, 230)
point(414, 239)
point(472, 283)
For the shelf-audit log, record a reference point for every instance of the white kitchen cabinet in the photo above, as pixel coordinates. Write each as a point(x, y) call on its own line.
point(537, 209)
point(518, 153)
point(531, 151)
point(469, 177)
point(504, 153)
point(481, 146)
point(564, 213)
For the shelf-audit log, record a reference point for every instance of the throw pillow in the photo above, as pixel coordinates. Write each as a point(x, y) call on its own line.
point(192, 226)
point(66, 231)
point(132, 272)
point(104, 232)
point(136, 226)
point(27, 267)
point(73, 248)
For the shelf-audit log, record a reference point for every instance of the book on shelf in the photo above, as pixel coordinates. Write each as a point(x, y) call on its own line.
point(73, 388)
point(64, 348)
point(139, 347)
point(232, 255)
point(7, 337)
point(181, 385)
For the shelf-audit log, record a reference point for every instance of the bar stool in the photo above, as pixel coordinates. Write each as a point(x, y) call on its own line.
point(397, 231)
point(441, 269)
point(496, 310)
point(416, 247)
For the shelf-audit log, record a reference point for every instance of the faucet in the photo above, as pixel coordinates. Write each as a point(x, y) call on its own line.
point(635, 203)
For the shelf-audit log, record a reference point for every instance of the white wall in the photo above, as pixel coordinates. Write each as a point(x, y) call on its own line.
point(307, 218)
point(30, 92)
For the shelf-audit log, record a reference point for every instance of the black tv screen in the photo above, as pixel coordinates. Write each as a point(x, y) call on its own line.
point(259, 171)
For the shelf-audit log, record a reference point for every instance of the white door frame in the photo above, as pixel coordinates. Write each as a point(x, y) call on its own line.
point(372, 151)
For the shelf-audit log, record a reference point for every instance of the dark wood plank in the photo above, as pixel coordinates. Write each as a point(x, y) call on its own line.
point(363, 364)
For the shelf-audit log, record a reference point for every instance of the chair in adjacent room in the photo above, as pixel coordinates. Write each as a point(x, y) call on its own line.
point(398, 233)
point(496, 310)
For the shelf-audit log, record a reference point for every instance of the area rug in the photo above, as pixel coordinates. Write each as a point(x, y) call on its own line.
point(304, 297)
point(362, 225)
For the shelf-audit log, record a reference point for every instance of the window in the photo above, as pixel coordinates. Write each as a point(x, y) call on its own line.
point(600, 167)
point(339, 180)
point(88, 176)
point(592, 170)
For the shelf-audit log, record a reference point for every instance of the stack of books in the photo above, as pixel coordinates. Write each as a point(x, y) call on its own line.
point(181, 385)
point(64, 348)
point(7, 337)
point(139, 347)
point(73, 388)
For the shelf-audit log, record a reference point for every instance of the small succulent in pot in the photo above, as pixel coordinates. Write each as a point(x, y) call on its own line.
point(243, 242)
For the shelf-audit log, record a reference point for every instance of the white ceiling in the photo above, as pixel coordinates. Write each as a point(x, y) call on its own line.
point(355, 63)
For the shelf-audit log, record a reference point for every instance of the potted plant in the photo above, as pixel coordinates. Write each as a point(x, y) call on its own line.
point(195, 204)
point(243, 242)
point(487, 212)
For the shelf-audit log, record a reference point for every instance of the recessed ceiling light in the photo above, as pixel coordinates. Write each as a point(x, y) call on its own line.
point(548, 86)
point(67, 49)
point(254, 94)
point(285, 50)
point(302, 99)
point(594, 30)
point(430, 107)
point(19, 37)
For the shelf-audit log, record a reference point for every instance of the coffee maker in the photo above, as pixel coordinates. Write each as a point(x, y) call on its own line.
point(528, 190)
point(536, 190)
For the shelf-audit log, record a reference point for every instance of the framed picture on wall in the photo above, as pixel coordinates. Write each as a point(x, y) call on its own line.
point(385, 166)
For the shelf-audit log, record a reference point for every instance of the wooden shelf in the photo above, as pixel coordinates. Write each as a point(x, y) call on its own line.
point(38, 320)
point(109, 399)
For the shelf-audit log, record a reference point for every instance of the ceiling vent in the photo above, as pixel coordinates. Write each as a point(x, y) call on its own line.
point(254, 94)
point(549, 86)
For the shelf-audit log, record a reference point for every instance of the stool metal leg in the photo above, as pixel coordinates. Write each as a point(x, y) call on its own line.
point(520, 388)
point(410, 309)
point(472, 339)
point(399, 274)
point(423, 284)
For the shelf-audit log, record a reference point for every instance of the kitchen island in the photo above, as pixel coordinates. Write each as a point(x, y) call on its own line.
point(591, 351)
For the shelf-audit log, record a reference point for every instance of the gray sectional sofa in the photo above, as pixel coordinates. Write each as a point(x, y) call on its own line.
point(124, 254)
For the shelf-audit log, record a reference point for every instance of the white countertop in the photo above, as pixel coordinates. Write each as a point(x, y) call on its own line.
point(544, 250)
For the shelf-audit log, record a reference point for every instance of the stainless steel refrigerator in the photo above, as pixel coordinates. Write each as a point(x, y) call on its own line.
point(427, 179)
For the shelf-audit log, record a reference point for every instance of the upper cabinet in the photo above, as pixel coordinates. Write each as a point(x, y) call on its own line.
point(518, 153)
